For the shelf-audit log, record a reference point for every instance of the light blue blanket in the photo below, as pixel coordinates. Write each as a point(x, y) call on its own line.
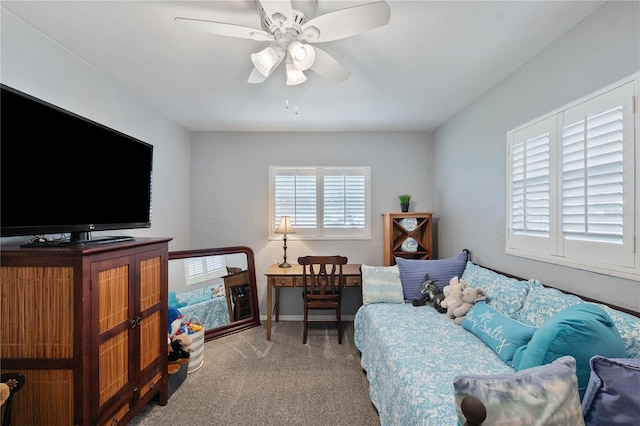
point(411, 355)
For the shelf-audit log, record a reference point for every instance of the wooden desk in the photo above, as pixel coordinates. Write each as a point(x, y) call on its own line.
point(292, 277)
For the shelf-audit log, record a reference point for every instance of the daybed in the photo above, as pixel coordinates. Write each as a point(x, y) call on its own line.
point(201, 306)
point(420, 363)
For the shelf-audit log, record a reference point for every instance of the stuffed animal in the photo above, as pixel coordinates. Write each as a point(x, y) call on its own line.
point(453, 295)
point(5, 391)
point(433, 294)
point(470, 296)
point(185, 341)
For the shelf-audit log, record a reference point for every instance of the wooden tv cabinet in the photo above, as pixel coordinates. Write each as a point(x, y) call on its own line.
point(87, 326)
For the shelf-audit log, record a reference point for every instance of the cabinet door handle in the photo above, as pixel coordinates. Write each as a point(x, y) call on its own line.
point(135, 322)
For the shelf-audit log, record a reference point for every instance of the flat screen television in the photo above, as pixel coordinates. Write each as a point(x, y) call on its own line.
point(61, 173)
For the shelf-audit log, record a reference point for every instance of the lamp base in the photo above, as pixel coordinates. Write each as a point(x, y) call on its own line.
point(284, 265)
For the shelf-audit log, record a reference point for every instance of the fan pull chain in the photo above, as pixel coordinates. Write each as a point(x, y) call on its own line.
point(286, 98)
point(286, 95)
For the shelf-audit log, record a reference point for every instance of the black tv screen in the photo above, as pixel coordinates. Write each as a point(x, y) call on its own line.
point(63, 173)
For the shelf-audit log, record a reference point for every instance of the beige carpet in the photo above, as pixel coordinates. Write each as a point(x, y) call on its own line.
point(246, 380)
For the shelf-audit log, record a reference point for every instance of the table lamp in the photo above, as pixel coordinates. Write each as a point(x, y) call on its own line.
point(285, 228)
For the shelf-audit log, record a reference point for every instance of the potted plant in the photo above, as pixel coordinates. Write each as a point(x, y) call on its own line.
point(405, 199)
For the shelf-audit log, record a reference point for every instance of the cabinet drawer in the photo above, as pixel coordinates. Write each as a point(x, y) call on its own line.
point(352, 281)
point(284, 281)
point(150, 386)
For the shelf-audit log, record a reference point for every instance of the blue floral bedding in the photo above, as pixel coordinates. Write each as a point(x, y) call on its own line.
point(411, 364)
point(212, 312)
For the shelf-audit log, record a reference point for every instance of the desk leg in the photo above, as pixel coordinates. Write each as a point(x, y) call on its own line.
point(269, 297)
point(277, 304)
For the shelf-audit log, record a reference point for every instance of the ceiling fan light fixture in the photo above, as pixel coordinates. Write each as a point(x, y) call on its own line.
point(265, 60)
point(303, 55)
point(294, 75)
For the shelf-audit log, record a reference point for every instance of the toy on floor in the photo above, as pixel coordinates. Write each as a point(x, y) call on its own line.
point(177, 353)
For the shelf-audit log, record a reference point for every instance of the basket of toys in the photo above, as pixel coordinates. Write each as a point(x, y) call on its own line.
point(196, 333)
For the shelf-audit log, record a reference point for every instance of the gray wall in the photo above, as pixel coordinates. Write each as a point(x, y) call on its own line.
point(35, 65)
point(230, 193)
point(222, 199)
point(469, 150)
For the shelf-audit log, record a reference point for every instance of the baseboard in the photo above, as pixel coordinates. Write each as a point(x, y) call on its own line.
point(263, 318)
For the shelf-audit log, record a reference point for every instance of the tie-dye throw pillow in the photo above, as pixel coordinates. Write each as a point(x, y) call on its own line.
point(544, 395)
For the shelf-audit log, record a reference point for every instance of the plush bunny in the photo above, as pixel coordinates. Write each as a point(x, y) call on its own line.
point(453, 295)
point(470, 296)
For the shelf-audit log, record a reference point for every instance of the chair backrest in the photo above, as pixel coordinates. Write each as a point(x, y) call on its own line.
point(322, 275)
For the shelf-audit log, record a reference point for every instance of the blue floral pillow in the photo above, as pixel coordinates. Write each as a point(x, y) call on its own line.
point(506, 295)
point(629, 328)
point(542, 303)
point(544, 395)
point(414, 271)
point(381, 284)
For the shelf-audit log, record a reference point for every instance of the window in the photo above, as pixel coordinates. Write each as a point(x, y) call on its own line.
point(200, 269)
point(571, 192)
point(323, 202)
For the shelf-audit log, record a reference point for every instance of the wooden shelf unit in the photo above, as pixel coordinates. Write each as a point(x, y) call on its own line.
point(395, 235)
point(87, 326)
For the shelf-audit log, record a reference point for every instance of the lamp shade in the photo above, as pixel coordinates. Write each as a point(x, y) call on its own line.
point(265, 60)
point(303, 55)
point(294, 75)
point(285, 226)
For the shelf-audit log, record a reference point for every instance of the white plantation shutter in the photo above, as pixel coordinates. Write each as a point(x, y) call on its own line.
point(194, 267)
point(530, 186)
point(592, 177)
point(598, 179)
point(295, 196)
point(323, 202)
point(571, 188)
point(344, 200)
point(199, 269)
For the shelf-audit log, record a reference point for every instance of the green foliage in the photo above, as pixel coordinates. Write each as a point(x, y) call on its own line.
point(404, 198)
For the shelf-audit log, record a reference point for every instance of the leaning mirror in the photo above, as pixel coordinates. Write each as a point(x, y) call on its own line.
point(215, 287)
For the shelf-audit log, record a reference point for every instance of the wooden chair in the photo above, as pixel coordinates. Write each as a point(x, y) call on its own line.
point(241, 302)
point(322, 280)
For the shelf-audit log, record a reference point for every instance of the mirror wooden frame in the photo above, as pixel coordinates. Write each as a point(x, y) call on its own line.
point(243, 324)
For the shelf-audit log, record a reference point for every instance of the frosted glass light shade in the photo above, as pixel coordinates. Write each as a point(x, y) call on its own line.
point(302, 55)
point(265, 60)
point(294, 75)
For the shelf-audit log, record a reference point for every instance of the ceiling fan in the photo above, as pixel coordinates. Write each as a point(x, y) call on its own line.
point(291, 27)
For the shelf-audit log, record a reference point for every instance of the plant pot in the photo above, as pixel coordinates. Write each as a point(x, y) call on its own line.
point(404, 207)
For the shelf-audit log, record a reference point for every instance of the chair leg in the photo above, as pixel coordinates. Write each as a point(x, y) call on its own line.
point(339, 318)
point(304, 331)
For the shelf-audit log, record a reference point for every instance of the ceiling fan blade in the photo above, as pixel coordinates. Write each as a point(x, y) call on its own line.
point(346, 22)
point(328, 67)
point(279, 11)
point(221, 28)
point(256, 77)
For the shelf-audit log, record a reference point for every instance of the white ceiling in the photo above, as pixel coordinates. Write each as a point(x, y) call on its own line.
point(430, 61)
